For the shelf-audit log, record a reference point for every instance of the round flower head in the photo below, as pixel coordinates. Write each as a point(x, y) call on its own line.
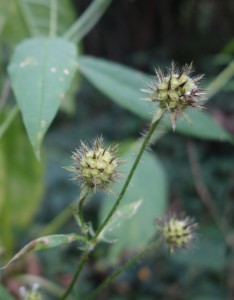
point(175, 91)
point(96, 166)
point(177, 231)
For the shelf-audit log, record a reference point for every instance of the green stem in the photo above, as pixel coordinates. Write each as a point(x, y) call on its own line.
point(93, 242)
point(6, 88)
point(125, 186)
point(7, 122)
point(27, 17)
point(83, 196)
point(53, 17)
point(76, 275)
point(87, 21)
point(122, 269)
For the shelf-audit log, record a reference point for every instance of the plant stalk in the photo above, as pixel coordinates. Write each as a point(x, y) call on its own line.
point(83, 196)
point(87, 20)
point(130, 175)
point(83, 260)
point(94, 240)
point(53, 17)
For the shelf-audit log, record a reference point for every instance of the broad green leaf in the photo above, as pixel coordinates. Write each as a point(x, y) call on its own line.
point(4, 294)
point(21, 183)
point(43, 243)
point(150, 185)
point(35, 21)
point(122, 85)
point(41, 72)
point(124, 213)
point(119, 83)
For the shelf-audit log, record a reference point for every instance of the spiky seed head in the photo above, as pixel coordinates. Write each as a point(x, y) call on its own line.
point(95, 166)
point(177, 231)
point(175, 91)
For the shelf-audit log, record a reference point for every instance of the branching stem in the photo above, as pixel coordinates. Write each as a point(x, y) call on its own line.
point(130, 175)
point(94, 240)
point(53, 17)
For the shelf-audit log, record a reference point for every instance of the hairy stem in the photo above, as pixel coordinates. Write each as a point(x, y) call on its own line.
point(130, 175)
point(83, 196)
point(94, 240)
point(83, 260)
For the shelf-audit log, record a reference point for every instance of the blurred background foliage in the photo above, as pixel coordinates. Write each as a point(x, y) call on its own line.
point(189, 173)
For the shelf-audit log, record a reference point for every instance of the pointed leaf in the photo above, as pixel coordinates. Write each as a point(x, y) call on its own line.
point(41, 72)
point(43, 243)
point(122, 85)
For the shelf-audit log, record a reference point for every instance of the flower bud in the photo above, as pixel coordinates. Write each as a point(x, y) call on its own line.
point(175, 91)
point(177, 232)
point(96, 166)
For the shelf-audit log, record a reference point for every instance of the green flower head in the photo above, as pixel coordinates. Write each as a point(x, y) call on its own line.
point(177, 231)
point(96, 166)
point(175, 91)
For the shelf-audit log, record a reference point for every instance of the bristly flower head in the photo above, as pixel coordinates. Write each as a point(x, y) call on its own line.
point(175, 91)
point(96, 166)
point(177, 231)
